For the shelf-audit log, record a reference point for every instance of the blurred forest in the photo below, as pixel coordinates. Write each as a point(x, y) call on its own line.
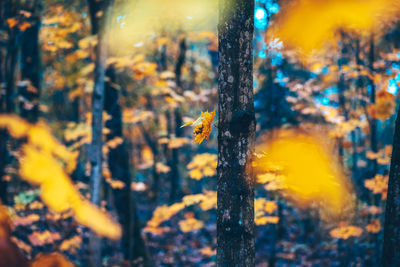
point(122, 121)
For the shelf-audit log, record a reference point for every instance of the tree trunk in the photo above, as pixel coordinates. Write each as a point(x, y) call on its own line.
point(118, 161)
point(236, 132)
point(391, 243)
point(30, 70)
point(8, 75)
point(374, 144)
point(96, 155)
point(174, 174)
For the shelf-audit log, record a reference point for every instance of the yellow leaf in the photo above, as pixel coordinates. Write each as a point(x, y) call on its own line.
point(203, 130)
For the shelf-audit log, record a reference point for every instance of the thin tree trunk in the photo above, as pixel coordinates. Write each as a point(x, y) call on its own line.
point(97, 117)
point(391, 243)
point(9, 10)
point(11, 63)
point(133, 245)
point(374, 144)
point(96, 154)
point(175, 175)
point(30, 70)
point(342, 98)
point(3, 143)
point(179, 63)
point(236, 132)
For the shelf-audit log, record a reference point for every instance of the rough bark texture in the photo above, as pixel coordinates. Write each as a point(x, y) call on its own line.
point(391, 243)
point(236, 127)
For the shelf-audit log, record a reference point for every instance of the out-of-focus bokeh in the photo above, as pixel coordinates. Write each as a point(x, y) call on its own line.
point(109, 126)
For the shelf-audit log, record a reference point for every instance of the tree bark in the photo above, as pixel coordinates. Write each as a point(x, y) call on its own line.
point(236, 132)
point(391, 243)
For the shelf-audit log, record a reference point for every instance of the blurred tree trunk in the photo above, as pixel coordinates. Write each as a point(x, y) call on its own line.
point(236, 133)
point(30, 68)
point(133, 245)
point(391, 244)
point(98, 13)
point(3, 147)
point(175, 175)
point(9, 70)
point(373, 129)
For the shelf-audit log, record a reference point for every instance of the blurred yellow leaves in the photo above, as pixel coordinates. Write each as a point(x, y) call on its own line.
point(320, 20)
point(5, 222)
point(345, 231)
point(161, 214)
point(384, 107)
point(206, 201)
point(12, 22)
point(71, 244)
point(207, 251)
point(23, 25)
point(382, 157)
point(378, 185)
point(145, 19)
point(58, 25)
point(261, 204)
point(263, 220)
point(91, 216)
point(53, 259)
point(27, 220)
point(308, 173)
point(203, 165)
point(43, 238)
point(272, 181)
point(43, 162)
point(262, 207)
point(190, 223)
point(374, 227)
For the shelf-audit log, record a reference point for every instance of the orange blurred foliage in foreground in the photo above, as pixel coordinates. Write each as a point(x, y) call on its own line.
point(319, 20)
point(41, 165)
point(310, 175)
